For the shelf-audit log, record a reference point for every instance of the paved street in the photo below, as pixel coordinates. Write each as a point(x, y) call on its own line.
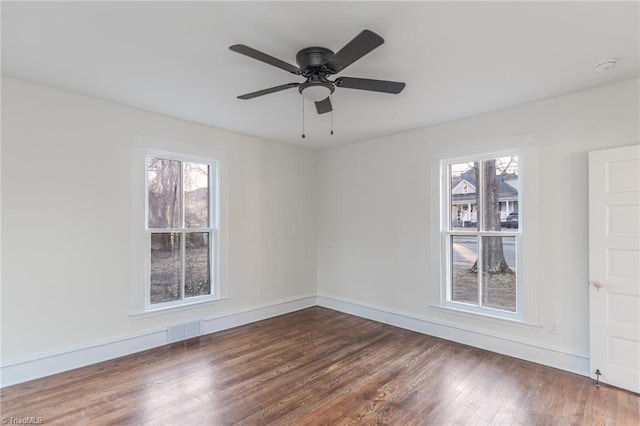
point(465, 251)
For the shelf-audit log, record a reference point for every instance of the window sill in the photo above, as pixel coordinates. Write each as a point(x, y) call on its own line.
point(487, 316)
point(171, 309)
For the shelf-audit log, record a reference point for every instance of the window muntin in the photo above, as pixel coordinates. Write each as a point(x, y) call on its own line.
point(181, 228)
point(481, 227)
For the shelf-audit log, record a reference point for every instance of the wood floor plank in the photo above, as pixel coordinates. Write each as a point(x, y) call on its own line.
point(318, 367)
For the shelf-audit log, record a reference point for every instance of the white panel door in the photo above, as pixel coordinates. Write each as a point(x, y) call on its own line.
point(614, 266)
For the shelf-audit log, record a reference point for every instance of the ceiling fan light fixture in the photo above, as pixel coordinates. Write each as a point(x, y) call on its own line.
point(316, 91)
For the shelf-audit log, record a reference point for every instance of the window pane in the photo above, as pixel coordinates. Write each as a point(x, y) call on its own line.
point(197, 272)
point(464, 278)
point(499, 273)
point(500, 186)
point(196, 195)
point(463, 195)
point(166, 267)
point(164, 193)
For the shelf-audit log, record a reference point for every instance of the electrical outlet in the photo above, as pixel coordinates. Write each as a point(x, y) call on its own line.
point(554, 327)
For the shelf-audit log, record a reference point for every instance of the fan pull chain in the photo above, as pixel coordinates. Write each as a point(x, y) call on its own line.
point(331, 100)
point(303, 135)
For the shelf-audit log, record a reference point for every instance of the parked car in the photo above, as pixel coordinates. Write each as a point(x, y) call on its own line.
point(512, 221)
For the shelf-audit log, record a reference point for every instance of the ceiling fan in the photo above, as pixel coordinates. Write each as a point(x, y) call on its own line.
point(316, 64)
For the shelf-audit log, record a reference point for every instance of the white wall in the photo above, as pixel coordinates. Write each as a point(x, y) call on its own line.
point(374, 248)
point(66, 218)
point(353, 220)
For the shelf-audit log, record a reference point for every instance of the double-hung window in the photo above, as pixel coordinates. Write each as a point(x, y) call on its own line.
point(178, 218)
point(481, 234)
point(181, 228)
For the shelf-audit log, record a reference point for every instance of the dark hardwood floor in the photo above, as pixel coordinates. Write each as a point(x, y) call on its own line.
point(318, 366)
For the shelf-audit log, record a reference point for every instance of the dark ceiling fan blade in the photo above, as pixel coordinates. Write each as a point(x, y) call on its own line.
point(362, 44)
point(256, 54)
point(384, 86)
point(324, 106)
point(269, 90)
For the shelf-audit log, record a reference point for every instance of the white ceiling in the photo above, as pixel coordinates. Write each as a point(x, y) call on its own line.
point(457, 59)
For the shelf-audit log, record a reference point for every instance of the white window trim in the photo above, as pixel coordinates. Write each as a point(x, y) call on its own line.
point(527, 303)
point(144, 147)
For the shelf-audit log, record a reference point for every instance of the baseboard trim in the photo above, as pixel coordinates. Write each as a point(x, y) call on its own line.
point(477, 337)
point(237, 318)
point(70, 358)
point(23, 370)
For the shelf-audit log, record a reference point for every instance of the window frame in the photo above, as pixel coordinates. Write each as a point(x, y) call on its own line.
point(145, 147)
point(526, 295)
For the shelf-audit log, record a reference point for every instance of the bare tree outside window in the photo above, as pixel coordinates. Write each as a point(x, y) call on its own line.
point(163, 177)
point(196, 195)
point(494, 261)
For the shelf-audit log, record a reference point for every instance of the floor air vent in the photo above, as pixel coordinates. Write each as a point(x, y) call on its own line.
point(183, 331)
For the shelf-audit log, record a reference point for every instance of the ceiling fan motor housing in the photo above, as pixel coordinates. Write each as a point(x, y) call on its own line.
point(311, 62)
point(312, 59)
